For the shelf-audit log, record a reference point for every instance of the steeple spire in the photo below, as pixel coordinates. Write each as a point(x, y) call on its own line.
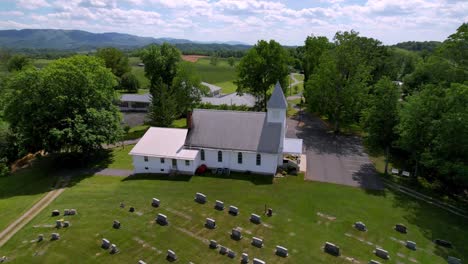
point(277, 99)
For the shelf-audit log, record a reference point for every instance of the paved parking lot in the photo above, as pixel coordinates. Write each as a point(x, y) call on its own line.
point(334, 158)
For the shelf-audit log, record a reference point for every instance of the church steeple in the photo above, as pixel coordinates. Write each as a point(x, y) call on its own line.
point(277, 99)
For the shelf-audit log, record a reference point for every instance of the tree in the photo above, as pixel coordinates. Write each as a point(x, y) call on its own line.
point(264, 64)
point(231, 61)
point(68, 106)
point(313, 50)
point(455, 48)
point(433, 128)
point(18, 62)
point(114, 60)
point(339, 85)
point(187, 89)
point(381, 117)
point(160, 64)
point(214, 58)
point(129, 82)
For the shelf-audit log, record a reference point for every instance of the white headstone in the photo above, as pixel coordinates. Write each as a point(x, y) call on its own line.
point(411, 245)
point(332, 249)
point(405, 173)
point(360, 226)
point(233, 210)
point(257, 242)
point(258, 261)
point(200, 198)
point(281, 251)
point(379, 252)
point(236, 234)
point(171, 255)
point(219, 205)
point(395, 171)
point(105, 243)
point(245, 258)
point(210, 223)
point(254, 218)
point(155, 202)
point(213, 244)
point(55, 236)
point(161, 219)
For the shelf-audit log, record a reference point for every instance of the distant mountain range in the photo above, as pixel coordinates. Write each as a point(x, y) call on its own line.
point(82, 40)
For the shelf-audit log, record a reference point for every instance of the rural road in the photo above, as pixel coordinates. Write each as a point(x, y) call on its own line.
point(295, 81)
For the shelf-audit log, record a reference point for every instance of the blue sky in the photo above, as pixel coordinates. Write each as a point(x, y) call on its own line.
point(287, 21)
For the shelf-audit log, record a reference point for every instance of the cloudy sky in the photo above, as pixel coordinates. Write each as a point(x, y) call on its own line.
point(288, 21)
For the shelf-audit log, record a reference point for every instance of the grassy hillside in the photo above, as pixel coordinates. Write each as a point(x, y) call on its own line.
point(221, 75)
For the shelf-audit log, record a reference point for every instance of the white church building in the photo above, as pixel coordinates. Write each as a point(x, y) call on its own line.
point(234, 140)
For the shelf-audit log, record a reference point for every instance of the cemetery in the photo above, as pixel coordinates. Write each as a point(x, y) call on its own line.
point(230, 220)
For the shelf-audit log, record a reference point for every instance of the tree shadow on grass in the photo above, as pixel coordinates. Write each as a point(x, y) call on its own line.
point(435, 223)
point(158, 177)
point(256, 179)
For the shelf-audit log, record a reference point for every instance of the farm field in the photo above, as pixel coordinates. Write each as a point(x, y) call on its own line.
point(306, 214)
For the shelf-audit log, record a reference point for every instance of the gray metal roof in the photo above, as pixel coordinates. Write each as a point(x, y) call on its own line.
point(213, 88)
point(140, 98)
point(231, 99)
point(277, 99)
point(233, 130)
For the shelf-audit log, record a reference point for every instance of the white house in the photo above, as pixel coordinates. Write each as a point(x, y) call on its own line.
point(239, 141)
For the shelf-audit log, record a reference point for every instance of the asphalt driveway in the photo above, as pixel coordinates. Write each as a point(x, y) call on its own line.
point(333, 158)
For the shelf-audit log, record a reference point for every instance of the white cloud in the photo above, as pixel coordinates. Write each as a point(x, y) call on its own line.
point(32, 4)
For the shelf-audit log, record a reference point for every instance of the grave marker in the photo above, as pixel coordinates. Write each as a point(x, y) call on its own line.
point(55, 236)
point(332, 249)
point(281, 251)
point(405, 174)
point(395, 171)
point(453, 260)
point(360, 226)
point(443, 243)
point(40, 237)
point(233, 210)
point(258, 261)
point(213, 244)
point(223, 250)
point(244, 258)
point(105, 244)
point(72, 212)
point(231, 254)
point(236, 234)
point(411, 245)
point(379, 252)
point(58, 224)
point(269, 212)
point(132, 209)
point(66, 224)
point(116, 224)
point(210, 223)
point(114, 249)
point(141, 262)
point(219, 205)
point(155, 202)
point(66, 212)
point(200, 198)
point(374, 262)
point(256, 219)
point(257, 242)
point(162, 219)
point(55, 213)
point(401, 228)
point(171, 255)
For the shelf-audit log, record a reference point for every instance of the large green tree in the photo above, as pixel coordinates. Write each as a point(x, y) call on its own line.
point(115, 60)
point(312, 51)
point(433, 128)
point(129, 82)
point(264, 64)
point(173, 87)
point(66, 106)
point(18, 62)
point(381, 117)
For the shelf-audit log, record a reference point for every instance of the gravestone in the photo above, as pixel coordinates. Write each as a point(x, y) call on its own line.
point(443, 243)
point(105, 244)
point(66, 212)
point(236, 234)
point(116, 224)
point(161, 219)
point(453, 260)
point(132, 209)
point(213, 244)
point(223, 250)
point(66, 224)
point(257, 242)
point(55, 213)
point(141, 262)
point(231, 254)
point(200, 198)
point(233, 210)
point(210, 223)
point(411, 245)
point(72, 212)
point(401, 228)
point(281, 251)
point(58, 224)
point(122, 205)
point(256, 219)
point(382, 253)
point(258, 261)
point(55, 236)
point(405, 174)
point(114, 249)
point(269, 212)
point(332, 249)
point(374, 262)
point(360, 226)
point(155, 202)
point(395, 171)
point(171, 255)
point(244, 258)
point(219, 205)
point(40, 237)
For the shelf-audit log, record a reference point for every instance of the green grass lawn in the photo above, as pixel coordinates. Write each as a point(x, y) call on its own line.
point(296, 224)
point(221, 75)
point(19, 191)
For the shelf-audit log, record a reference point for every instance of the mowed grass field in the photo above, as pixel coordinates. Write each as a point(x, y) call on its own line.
point(222, 75)
point(306, 214)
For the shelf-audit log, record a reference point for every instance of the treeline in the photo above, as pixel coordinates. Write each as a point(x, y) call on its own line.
point(422, 121)
point(429, 46)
